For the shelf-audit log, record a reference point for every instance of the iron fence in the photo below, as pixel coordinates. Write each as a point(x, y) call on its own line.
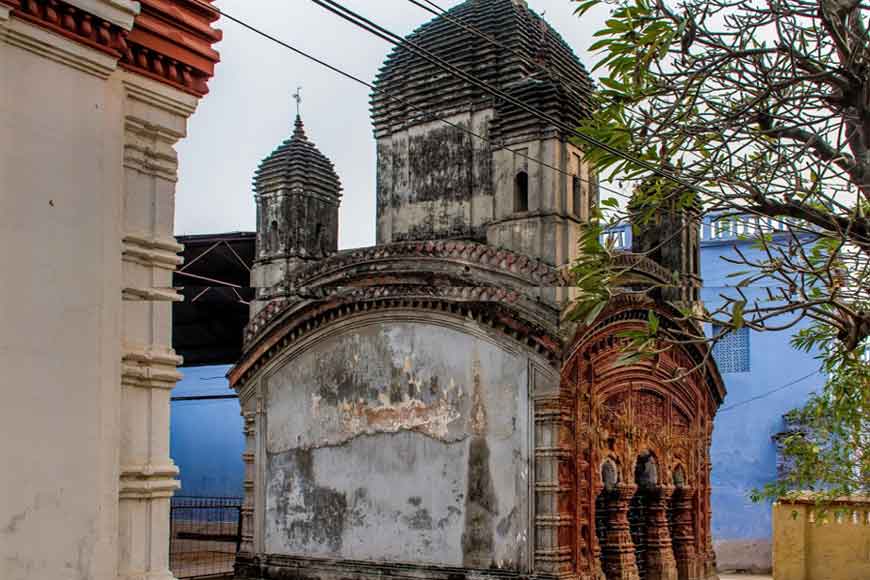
point(205, 533)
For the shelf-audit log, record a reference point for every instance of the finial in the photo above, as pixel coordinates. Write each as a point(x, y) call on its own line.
point(297, 96)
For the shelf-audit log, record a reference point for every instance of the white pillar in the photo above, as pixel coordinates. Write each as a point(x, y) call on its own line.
point(155, 118)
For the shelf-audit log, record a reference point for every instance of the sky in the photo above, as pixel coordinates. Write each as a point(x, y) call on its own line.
point(250, 110)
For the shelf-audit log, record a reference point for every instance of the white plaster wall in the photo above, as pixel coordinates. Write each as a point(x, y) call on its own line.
point(87, 185)
point(60, 275)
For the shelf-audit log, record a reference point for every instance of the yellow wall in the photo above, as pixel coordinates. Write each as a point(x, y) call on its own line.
point(809, 546)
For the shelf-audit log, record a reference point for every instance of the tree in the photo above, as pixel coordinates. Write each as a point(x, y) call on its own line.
point(763, 109)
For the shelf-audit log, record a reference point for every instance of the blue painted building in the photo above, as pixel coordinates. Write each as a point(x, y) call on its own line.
point(206, 439)
point(765, 378)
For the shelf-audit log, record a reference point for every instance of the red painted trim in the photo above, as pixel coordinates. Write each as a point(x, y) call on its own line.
point(70, 22)
point(171, 42)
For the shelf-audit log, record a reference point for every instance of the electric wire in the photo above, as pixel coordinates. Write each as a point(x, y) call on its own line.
point(722, 410)
point(422, 111)
point(435, 9)
point(543, 116)
point(372, 87)
point(412, 106)
point(381, 32)
point(768, 393)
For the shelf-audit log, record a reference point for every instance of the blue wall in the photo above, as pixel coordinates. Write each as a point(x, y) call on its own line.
point(743, 453)
point(206, 440)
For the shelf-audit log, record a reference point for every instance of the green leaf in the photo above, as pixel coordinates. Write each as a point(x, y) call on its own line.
point(737, 314)
point(593, 314)
point(654, 323)
point(585, 7)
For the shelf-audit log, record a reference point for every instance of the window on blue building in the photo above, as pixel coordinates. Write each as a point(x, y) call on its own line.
point(732, 351)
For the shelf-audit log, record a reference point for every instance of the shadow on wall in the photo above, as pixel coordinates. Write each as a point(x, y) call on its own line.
point(206, 438)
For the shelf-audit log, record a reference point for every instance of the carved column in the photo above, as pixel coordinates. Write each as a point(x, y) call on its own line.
point(684, 534)
point(247, 544)
point(154, 120)
point(618, 551)
point(554, 485)
point(597, 567)
point(660, 562)
point(245, 566)
point(709, 555)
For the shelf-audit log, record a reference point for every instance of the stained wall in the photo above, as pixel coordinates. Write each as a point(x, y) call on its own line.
point(435, 181)
point(399, 441)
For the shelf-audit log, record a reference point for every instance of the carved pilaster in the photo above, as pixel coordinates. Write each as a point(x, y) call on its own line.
point(597, 568)
point(154, 120)
point(684, 534)
point(554, 485)
point(247, 544)
point(617, 553)
point(660, 561)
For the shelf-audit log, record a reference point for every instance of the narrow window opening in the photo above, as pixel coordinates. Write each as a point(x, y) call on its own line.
point(273, 237)
point(318, 238)
point(577, 191)
point(521, 192)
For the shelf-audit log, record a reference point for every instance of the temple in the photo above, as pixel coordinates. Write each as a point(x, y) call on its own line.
point(425, 407)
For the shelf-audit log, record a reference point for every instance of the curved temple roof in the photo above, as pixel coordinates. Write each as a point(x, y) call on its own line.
point(562, 89)
point(297, 165)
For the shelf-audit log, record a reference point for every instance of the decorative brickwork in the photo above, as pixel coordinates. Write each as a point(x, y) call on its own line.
point(170, 42)
point(74, 23)
point(634, 411)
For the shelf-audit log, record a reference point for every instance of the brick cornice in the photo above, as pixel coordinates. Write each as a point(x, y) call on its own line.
point(170, 42)
point(73, 23)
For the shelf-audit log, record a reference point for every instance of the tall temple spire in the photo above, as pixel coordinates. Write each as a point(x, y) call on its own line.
point(298, 194)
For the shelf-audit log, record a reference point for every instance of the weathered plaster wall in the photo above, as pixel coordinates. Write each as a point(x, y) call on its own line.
point(435, 181)
point(399, 441)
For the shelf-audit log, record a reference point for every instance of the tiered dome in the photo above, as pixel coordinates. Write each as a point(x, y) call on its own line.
point(297, 166)
point(537, 67)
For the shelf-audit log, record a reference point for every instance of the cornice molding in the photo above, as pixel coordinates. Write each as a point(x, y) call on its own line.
point(134, 294)
point(151, 253)
point(148, 481)
point(119, 12)
point(157, 94)
point(488, 307)
point(57, 44)
point(169, 42)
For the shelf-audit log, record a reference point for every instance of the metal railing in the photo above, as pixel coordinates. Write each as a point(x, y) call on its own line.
point(205, 533)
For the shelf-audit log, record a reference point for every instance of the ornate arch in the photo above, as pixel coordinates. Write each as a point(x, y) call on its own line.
point(508, 292)
point(626, 411)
